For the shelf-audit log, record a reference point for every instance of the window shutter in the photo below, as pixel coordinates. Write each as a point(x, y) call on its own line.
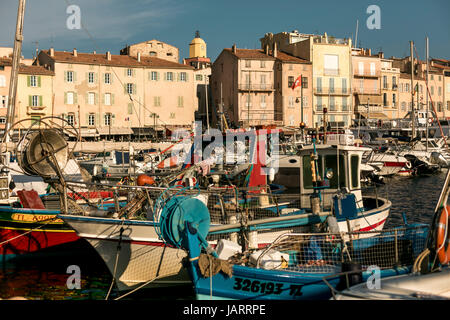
point(113, 119)
point(111, 77)
point(157, 76)
point(125, 88)
point(112, 99)
point(65, 97)
point(134, 88)
point(103, 99)
point(165, 76)
point(130, 108)
point(187, 77)
point(65, 76)
point(134, 72)
point(87, 119)
point(97, 119)
point(87, 77)
point(75, 98)
point(39, 81)
point(30, 100)
point(29, 81)
point(150, 75)
point(74, 76)
point(40, 101)
point(96, 98)
point(178, 76)
point(86, 97)
point(95, 78)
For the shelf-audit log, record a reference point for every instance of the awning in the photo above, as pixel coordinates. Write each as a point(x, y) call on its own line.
point(365, 99)
point(374, 115)
point(114, 131)
point(89, 132)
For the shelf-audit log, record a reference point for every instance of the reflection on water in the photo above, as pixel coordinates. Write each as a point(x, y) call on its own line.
point(416, 197)
point(45, 278)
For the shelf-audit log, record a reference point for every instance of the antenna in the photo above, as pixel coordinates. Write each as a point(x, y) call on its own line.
point(356, 37)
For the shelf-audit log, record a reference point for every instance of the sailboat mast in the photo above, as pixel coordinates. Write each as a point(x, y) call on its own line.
point(426, 54)
point(17, 53)
point(413, 116)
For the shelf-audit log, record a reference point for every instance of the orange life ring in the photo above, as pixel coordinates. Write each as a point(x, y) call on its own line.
point(443, 250)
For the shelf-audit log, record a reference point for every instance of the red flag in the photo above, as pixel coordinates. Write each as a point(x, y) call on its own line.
point(297, 82)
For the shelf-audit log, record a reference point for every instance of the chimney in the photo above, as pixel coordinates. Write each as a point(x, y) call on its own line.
point(108, 56)
point(369, 52)
point(275, 49)
point(266, 49)
point(75, 53)
point(139, 57)
point(381, 55)
point(233, 48)
point(52, 52)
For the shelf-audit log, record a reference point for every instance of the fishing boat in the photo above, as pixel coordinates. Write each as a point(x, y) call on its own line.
point(145, 260)
point(293, 265)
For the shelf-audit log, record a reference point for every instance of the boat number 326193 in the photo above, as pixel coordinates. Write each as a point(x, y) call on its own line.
point(256, 286)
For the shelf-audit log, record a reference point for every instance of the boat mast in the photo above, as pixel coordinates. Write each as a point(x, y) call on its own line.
point(413, 133)
point(18, 39)
point(426, 54)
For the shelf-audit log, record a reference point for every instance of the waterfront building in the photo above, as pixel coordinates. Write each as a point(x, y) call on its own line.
point(444, 65)
point(366, 88)
point(5, 73)
point(331, 73)
point(255, 87)
point(152, 48)
point(119, 95)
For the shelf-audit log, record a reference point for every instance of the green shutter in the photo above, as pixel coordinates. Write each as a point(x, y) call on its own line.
point(87, 77)
point(39, 81)
point(65, 97)
point(130, 108)
point(30, 100)
point(75, 98)
point(29, 81)
point(178, 76)
point(111, 77)
point(87, 119)
point(134, 72)
point(165, 76)
point(157, 76)
point(134, 89)
point(103, 99)
point(40, 101)
point(95, 78)
point(65, 76)
point(125, 88)
point(150, 75)
point(74, 77)
point(112, 99)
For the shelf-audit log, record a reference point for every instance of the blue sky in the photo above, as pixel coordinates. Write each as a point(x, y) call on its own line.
point(112, 24)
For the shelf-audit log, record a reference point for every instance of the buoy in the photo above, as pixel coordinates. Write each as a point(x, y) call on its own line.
point(143, 180)
point(442, 249)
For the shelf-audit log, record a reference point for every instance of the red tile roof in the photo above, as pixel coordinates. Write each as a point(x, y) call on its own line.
point(259, 54)
point(35, 70)
point(5, 61)
point(116, 60)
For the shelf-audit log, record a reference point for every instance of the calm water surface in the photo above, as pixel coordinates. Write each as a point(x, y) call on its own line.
point(41, 278)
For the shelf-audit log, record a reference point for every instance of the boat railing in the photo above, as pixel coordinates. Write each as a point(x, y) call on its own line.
point(327, 252)
point(225, 204)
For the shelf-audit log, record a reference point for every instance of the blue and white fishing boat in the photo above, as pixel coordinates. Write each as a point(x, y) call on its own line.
point(291, 267)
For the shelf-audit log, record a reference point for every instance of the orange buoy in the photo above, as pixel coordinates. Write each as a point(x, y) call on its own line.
point(143, 180)
point(443, 249)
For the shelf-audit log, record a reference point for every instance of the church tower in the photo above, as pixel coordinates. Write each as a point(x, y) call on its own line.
point(197, 47)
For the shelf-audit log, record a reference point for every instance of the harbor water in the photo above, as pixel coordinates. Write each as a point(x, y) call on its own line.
point(40, 277)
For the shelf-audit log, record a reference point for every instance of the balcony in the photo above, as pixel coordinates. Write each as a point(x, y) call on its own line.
point(256, 87)
point(372, 109)
point(367, 74)
point(333, 108)
point(36, 110)
point(330, 72)
point(331, 91)
point(260, 117)
point(359, 90)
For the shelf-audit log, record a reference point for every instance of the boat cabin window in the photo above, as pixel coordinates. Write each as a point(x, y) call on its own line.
point(354, 164)
point(103, 154)
point(331, 163)
point(328, 162)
